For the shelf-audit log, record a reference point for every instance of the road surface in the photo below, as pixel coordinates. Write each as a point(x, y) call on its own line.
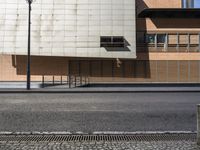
point(128, 112)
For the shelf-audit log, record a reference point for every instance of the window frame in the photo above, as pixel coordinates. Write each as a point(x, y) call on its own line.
point(111, 42)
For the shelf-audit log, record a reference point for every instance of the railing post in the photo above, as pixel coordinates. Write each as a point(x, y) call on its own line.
point(69, 81)
point(61, 80)
point(75, 81)
point(81, 80)
point(69, 74)
point(53, 80)
point(198, 124)
point(43, 81)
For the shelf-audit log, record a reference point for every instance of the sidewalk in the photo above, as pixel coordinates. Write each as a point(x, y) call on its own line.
point(110, 88)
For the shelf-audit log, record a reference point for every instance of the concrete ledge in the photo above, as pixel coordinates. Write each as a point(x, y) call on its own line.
point(198, 124)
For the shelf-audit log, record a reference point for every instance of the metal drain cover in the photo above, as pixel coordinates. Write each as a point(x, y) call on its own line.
point(136, 137)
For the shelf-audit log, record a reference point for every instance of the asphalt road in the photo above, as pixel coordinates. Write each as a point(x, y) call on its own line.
point(88, 113)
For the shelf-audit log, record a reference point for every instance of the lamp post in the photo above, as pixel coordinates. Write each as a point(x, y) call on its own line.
point(28, 85)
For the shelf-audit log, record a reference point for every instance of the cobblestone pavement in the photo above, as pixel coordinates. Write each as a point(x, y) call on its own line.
point(155, 145)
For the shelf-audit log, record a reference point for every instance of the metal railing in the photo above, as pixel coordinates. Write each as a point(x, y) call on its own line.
point(53, 80)
point(75, 81)
point(71, 81)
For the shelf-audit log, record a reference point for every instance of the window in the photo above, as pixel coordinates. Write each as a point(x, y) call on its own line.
point(187, 3)
point(112, 41)
point(161, 38)
point(150, 38)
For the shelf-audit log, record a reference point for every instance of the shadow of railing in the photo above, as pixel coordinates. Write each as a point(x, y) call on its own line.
point(78, 81)
point(65, 81)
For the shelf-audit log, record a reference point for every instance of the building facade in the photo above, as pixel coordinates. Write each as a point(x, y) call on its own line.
point(145, 41)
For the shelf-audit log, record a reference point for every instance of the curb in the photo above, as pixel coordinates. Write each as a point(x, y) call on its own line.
point(98, 133)
point(95, 91)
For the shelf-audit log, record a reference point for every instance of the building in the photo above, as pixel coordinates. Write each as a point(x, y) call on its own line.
point(108, 41)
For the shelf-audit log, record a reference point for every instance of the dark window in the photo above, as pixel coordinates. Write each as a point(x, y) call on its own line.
point(105, 39)
point(150, 38)
point(118, 39)
point(161, 38)
point(112, 41)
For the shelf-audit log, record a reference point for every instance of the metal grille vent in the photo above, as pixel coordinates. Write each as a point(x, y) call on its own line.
point(147, 137)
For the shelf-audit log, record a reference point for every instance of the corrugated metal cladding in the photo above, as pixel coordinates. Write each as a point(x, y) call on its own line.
point(68, 27)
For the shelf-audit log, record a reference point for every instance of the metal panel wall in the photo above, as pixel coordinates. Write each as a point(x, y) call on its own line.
point(67, 27)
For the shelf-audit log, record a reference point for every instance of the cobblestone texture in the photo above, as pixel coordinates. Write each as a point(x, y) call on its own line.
point(158, 145)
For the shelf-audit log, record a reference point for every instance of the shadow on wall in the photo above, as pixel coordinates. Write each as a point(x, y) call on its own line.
point(142, 48)
point(41, 65)
point(119, 49)
point(176, 23)
point(57, 66)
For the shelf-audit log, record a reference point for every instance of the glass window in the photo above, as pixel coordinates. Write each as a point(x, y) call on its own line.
point(161, 38)
point(105, 39)
point(118, 40)
point(196, 4)
point(150, 38)
point(188, 3)
point(112, 41)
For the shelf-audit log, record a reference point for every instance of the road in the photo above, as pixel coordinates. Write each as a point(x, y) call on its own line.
point(128, 112)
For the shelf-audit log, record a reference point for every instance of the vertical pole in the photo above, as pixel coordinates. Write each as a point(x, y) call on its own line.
point(43, 81)
point(75, 81)
point(198, 124)
point(81, 80)
point(29, 49)
point(53, 80)
point(112, 69)
point(69, 74)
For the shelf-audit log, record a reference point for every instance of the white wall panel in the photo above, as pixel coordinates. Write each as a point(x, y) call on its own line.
point(67, 27)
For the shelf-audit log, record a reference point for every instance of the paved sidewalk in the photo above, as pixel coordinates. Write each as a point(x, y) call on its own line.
point(20, 87)
point(133, 145)
point(102, 90)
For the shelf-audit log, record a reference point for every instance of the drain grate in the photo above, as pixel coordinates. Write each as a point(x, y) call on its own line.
point(136, 137)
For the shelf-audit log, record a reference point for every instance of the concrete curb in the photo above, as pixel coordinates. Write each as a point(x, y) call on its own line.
point(95, 91)
point(98, 133)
